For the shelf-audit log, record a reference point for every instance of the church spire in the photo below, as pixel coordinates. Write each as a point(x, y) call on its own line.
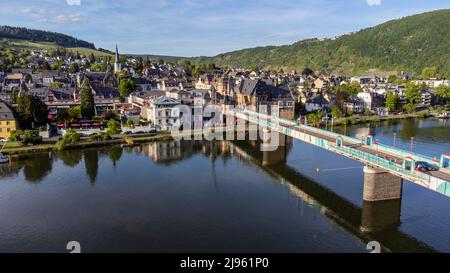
point(117, 67)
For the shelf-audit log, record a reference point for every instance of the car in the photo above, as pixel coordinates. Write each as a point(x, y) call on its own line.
point(423, 166)
point(3, 140)
point(127, 133)
point(139, 132)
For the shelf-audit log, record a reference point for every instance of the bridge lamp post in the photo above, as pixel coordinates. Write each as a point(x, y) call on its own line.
point(411, 145)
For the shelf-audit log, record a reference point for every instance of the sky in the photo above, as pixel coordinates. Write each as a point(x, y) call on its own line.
point(204, 27)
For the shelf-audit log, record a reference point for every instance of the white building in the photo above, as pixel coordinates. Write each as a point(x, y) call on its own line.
point(162, 113)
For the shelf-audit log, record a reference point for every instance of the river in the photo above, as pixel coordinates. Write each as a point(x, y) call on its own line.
point(218, 196)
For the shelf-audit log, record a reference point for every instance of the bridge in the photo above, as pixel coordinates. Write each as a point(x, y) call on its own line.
point(385, 166)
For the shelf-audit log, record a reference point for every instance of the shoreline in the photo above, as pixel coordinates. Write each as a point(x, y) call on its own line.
point(354, 120)
point(166, 136)
point(49, 147)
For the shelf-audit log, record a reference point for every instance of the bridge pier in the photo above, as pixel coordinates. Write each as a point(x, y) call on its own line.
point(380, 185)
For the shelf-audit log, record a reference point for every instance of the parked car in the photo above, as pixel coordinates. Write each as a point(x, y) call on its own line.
point(423, 166)
point(127, 133)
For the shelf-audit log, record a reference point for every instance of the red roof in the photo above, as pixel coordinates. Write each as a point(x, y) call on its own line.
point(75, 125)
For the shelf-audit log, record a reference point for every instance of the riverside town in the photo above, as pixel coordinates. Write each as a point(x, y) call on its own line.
point(196, 128)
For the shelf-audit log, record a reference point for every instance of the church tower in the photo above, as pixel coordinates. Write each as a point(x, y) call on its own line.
point(117, 67)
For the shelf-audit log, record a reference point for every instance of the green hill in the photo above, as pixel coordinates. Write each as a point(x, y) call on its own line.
point(34, 35)
point(410, 44)
point(15, 44)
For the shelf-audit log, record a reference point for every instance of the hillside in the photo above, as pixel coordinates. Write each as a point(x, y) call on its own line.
point(7, 43)
point(410, 44)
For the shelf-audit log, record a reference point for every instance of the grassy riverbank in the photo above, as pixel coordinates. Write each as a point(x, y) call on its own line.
point(369, 119)
point(14, 148)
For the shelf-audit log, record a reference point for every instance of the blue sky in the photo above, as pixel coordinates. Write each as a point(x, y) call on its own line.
point(201, 27)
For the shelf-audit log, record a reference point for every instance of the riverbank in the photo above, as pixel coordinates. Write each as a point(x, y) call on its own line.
point(17, 148)
point(368, 119)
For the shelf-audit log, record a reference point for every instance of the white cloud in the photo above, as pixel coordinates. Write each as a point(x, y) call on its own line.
point(373, 2)
point(73, 2)
point(52, 15)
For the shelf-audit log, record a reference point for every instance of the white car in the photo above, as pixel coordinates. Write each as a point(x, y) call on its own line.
point(4, 140)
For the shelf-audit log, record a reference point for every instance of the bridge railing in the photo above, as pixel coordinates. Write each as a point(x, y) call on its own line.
point(426, 180)
point(381, 147)
point(423, 179)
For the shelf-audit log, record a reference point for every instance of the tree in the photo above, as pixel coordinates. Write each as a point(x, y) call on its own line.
point(31, 110)
point(57, 85)
point(336, 112)
point(392, 79)
point(430, 72)
point(392, 102)
point(113, 127)
point(87, 106)
point(413, 93)
point(443, 93)
point(74, 68)
point(69, 139)
point(46, 66)
point(126, 87)
point(129, 122)
point(26, 137)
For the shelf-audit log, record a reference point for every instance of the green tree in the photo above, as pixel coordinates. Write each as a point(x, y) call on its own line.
point(443, 93)
point(336, 112)
point(26, 137)
point(413, 93)
point(57, 85)
point(392, 102)
point(113, 127)
point(74, 68)
point(129, 122)
point(392, 79)
point(31, 110)
point(126, 87)
point(69, 139)
point(87, 106)
point(430, 72)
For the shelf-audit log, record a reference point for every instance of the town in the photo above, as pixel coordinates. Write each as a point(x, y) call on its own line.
point(45, 93)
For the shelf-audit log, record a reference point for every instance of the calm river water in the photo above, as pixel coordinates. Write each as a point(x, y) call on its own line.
point(218, 197)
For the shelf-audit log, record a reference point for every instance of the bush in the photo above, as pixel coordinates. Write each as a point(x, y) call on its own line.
point(102, 136)
point(26, 137)
point(70, 138)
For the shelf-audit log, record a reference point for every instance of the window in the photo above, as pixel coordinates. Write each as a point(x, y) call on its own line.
point(8, 130)
point(7, 123)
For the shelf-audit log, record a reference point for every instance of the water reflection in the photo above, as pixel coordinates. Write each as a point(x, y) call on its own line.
point(91, 157)
point(70, 158)
point(373, 221)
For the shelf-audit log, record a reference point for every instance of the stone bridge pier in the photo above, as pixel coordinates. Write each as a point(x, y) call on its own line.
point(381, 200)
point(380, 185)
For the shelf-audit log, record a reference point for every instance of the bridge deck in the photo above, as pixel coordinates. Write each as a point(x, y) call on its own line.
point(368, 149)
point(377, 155)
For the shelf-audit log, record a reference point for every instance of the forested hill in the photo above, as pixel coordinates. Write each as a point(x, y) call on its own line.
point(410, 43)
point(34, 35)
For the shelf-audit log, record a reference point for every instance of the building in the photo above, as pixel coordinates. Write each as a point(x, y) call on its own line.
point(7, 121)
point(117, 66)
point(161, 113)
